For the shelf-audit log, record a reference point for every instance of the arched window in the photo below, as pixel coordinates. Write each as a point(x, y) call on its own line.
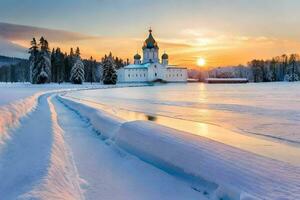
point(155, 74)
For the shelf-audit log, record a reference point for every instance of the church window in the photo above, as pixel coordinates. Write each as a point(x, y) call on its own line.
point(155, 74)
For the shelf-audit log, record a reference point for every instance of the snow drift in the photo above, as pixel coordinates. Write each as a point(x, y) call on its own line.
point(10, 114)
point(61, 179)
point(222, 171)
point(176, 153)
point(105, 124)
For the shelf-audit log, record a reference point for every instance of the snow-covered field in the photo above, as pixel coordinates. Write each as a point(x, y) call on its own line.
point(62, 142)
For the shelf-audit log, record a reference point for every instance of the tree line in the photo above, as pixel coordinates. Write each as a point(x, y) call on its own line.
point(18, 72)
point(56, 66)
point(280, 68)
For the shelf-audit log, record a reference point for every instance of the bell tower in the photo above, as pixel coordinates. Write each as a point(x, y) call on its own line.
point(150, 49)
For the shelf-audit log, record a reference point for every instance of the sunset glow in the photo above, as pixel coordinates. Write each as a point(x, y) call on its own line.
point(201, 62)
point(209, 28)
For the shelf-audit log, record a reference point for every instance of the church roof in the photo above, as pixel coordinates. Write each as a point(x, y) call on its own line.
point(137, 56)
point(134, 66)
point(150, 42)
point(165, 56)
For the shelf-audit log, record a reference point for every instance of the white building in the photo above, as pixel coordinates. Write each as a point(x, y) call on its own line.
point(150, 68)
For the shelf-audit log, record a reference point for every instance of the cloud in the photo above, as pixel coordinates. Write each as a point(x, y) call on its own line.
point(15, 32)
point(10, 49)
point(14, 38)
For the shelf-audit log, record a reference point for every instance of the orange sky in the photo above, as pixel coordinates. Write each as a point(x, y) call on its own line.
point(217, 50)
point(222, 32)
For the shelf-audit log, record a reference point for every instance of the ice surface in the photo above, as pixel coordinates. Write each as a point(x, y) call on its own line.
point(226, 172)
point(269, 110)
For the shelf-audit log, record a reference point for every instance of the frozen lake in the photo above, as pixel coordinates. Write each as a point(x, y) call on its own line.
point(243, 115)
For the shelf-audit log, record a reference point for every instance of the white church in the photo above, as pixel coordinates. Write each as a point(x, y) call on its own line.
point(150, 69)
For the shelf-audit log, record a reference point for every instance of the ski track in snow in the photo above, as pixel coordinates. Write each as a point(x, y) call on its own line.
point(111, 173)
point(34, 162)
point(25, 156)
point(40, 160)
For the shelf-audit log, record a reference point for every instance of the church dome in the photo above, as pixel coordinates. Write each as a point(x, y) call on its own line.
point(137, 56)
point(165, 56)
point(150, 42)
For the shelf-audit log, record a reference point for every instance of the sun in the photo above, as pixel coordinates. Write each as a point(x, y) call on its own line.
point(201, 62)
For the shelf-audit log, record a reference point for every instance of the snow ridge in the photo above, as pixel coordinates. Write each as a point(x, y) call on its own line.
point(62, 180)
point(11, 114)
point(234, 174)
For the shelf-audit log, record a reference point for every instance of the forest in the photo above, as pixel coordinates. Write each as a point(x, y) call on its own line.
point(45, 66)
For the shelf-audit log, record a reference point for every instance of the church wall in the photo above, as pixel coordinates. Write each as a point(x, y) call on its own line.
point(176, 75)
point(156, 71)
point(120, 74)
point(136, 75)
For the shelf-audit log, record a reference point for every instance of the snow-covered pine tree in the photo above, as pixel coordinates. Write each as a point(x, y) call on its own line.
point(99, 72)
point(272, 70)
point(67, 70)
point(69, 62)
point(53, 66)
point(61, 65)
point(77, 52)
point(109, 70)
point(57, 66)
point(91, 70)
point(44, 63)
point(77, 72)
point(34, 52)
point(291, 72)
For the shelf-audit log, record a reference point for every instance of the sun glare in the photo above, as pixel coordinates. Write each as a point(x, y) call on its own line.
point(201, 62)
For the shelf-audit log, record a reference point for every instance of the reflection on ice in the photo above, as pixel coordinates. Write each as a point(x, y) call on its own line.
point(231, 114)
